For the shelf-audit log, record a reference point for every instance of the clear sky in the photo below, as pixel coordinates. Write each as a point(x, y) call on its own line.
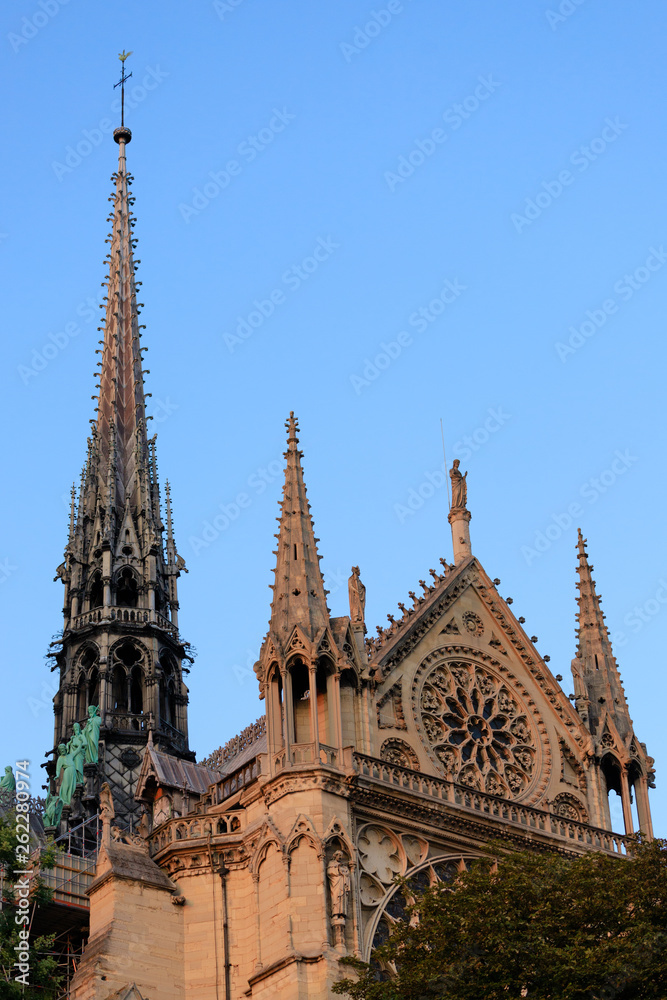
point(377, 215)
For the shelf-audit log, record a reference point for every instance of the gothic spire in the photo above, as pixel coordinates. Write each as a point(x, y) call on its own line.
point(595, 666)
point(299, 597)
point(121, 413)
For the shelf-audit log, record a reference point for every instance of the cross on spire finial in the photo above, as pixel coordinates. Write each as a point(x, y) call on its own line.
point(121, 83)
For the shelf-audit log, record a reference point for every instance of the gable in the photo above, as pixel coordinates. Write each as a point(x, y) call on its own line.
point(465, 695)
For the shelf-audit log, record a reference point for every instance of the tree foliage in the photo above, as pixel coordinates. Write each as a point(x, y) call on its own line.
point(43, 975)
point(541, 926)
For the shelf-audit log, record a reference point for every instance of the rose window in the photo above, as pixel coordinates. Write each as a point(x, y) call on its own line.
point(477, 729)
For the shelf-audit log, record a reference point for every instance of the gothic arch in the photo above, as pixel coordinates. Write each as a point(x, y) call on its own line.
point(95, 590)
point(126, 588)
point(444, 868)
point(303, 829)
point(129, 663)
point(86, 672)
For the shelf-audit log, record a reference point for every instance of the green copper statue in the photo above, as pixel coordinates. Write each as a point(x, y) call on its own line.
point(77, 748)
point(7, 780)
point(52, 811)
point(67, 766)
point(91, 732)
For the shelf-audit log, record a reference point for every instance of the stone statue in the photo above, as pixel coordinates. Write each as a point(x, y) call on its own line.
point(67, 766)
point(338, 874)
point(77, 748)
point(107, 812)
point(91, 733)
point(52, 810)
point(459, 487)
point(357, 594)
point(7, 781)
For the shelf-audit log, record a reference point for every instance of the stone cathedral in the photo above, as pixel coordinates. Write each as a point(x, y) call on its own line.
point(252, 873)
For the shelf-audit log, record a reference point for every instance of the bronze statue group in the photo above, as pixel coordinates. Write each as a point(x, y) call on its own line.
point(80, 749)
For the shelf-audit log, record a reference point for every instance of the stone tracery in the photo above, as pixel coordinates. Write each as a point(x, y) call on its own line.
point(477, 729)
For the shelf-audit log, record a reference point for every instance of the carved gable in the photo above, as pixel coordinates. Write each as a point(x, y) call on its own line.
point(475, 702)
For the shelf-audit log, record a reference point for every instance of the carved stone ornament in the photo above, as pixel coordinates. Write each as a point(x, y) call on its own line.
point(473, 623)
point(477, 728)
point(569, 807)
point(399, 752)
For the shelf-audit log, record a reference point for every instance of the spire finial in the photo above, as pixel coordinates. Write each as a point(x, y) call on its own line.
point(121, 83)
point(292, 426)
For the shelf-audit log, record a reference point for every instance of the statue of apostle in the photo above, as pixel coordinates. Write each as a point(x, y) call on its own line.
point(67, 768)
point(7, 780)
point(77, 748)
point(91, 732)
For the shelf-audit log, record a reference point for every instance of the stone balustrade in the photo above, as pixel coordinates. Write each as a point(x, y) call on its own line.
point(504, 810)
point(137, 616)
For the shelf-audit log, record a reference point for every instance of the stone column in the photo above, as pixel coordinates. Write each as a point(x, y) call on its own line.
point(643, 807)
point(627, 806)
point(460, 520)
point(314, 728)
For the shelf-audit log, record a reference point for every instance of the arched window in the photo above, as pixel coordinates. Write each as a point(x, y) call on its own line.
point(136, 690)
point(96, 591)
point(301, 702)
point(119, 689)
point(127, 591)
point(82, 697)
point(168, 682)
point(348, 704)
point(93, 688)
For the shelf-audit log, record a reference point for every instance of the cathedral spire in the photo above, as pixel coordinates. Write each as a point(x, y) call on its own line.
point(299, 597)
point(121, 412)
point(595, 669)
point(121, 648)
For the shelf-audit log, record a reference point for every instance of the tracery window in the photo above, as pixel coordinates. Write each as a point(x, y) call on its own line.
point(476, 728)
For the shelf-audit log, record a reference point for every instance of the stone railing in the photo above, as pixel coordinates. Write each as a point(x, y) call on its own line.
point(194, 828)
point(492, 806)
point(305, 753)
point(126, 721)
point(137, 616)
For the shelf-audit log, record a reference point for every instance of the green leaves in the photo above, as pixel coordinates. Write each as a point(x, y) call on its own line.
point(541, 926)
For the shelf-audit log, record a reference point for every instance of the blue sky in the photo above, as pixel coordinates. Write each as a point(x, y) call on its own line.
point(378, 216)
